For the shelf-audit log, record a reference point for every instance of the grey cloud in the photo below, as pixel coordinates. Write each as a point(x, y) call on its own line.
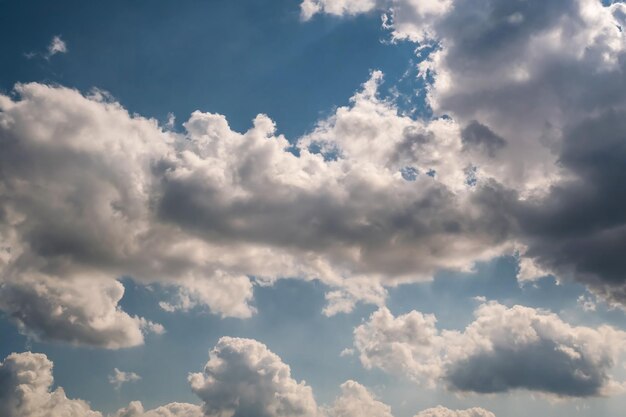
point(480, 137)
point(579, 229)
point(503, 349)
point(542, 367)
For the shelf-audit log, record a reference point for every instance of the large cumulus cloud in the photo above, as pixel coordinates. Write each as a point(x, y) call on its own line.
point(368, 199)
point(90, 194)
point(503, 349)
point(25, 390)
point(538, 91)
point(243, 378)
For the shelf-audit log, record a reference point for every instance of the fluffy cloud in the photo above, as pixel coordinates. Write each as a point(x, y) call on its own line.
point(25, 390)
point(119, 378)
point(503, 349)
point(356, 401)
point(243, 378)
point(90, 194)
point(75, 311)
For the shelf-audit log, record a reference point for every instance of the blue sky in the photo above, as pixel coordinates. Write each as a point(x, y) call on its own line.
point(134, 243)
point(233, 58)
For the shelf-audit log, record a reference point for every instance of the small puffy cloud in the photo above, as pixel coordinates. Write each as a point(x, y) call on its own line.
point(57, 46)
point(243, 378)
point(408, 343)
point(26, 390)
point(356, 401)
point(503, 349)
point(119, 378)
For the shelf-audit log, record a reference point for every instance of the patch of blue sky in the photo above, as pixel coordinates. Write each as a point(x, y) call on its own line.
point(235, 58)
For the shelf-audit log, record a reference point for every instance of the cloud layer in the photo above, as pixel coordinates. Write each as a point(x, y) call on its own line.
point(242, 378)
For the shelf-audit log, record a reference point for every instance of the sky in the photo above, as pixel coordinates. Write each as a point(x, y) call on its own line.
point(312, 208)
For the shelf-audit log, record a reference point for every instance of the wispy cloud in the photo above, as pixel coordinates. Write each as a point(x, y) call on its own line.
point(119, 378)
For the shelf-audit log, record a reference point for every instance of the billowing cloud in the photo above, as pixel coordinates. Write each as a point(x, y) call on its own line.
point(25, 390)
point(503, 349)
point(90, 194)
point(356, 401)
point(538, 90)
point(243, 378)
point(408, 19)
point(119, 378)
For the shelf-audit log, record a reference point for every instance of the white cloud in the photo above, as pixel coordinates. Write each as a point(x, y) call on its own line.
point(244, 378)
point(119, 378)
point(408, 19)
point(356, 401)
point(25, 390)
point(503, 349)
point(57, 46)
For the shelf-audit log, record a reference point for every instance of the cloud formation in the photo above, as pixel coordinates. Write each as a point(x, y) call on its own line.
point(503, 349)
point(368, 199)
point(356, 401)
point(90, 194)
point(242, 378)
point(25, 390)
point(538, 91)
